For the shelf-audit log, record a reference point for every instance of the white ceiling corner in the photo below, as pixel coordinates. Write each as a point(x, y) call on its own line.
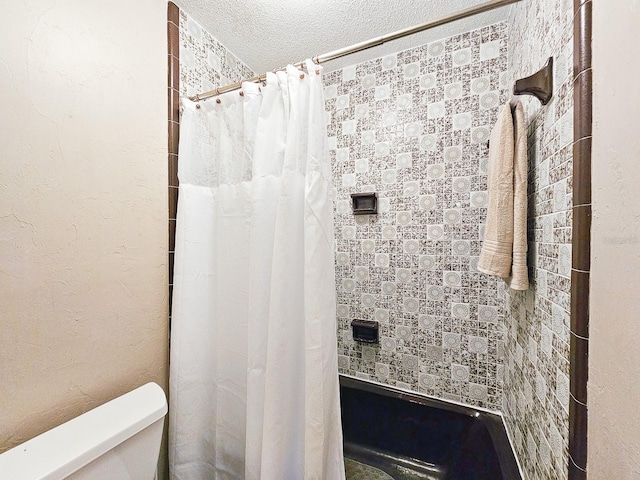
point(266, 34)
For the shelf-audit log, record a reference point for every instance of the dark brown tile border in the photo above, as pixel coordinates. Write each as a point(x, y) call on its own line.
point(173, 13)
point(174, 137)
point(581, 245)
point(171, 255)
point(173, 101)
point(576, 473)
point(581, 239)
point(582, 104)
point(173, 202)
point(173, 22)
point(580, 309)
point(174, 105)
point(582, 37)
point(173, 73)
point(582, 171)
point(172, 238)
point(173, 175)
point(577, 425)
point(579, 366)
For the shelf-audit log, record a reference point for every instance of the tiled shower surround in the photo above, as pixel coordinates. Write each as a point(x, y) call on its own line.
point(204, 62)
point(413, 127)
point(536, 379)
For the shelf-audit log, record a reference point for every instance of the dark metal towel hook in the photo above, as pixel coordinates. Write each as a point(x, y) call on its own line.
point(540, 84)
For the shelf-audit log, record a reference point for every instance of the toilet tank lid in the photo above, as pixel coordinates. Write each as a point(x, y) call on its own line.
point(68, 447)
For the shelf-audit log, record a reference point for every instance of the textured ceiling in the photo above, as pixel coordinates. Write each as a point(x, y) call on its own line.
point(266, 34)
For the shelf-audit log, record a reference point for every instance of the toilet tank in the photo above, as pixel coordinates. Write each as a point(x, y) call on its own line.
point(117, 440)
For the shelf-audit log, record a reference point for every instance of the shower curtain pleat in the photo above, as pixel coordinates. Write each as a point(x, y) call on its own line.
point(254, 377)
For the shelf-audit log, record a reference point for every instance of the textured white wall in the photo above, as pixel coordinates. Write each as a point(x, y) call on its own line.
point(614, 388)
point(83, 207)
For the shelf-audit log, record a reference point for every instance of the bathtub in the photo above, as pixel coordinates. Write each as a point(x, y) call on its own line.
point(391, 434)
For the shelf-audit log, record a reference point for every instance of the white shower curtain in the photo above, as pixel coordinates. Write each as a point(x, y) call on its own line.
point(254, 376)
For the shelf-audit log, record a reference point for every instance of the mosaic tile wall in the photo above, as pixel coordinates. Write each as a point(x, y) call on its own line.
point(204, 62)
point(413, 127)
point(536, 380)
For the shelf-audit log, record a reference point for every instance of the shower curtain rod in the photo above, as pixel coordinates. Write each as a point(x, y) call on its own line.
point(374, 42)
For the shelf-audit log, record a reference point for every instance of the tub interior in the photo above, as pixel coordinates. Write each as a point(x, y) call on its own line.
point(408, 437)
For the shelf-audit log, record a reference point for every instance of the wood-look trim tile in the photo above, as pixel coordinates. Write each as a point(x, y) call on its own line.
point(582, 38)
point(582, 99)
point(578, 415)
point(577, 3)
point(172, 235)
point(171, 261)
point(579, 372)
point(173, 202)
point(170, 295)
point(582, 172)
point(173, 13)
point(173, 170)
point(173, 39)
point(581, 238)
point(174, 138)
point(173, 114)
point(575, 473)
point(173, 72)
point(580, 303)
point(174, 104)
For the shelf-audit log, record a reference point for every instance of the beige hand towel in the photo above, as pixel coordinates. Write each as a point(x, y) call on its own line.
point(519, 279)
point(495, 256)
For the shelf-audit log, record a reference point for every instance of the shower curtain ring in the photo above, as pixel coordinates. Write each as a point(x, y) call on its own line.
point(218, 95)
